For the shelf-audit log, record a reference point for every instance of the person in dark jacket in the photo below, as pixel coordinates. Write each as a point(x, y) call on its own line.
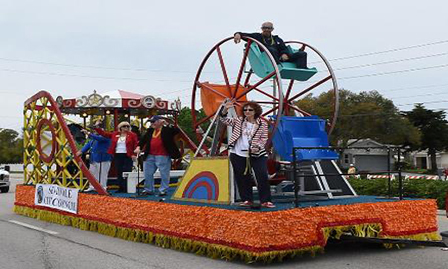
point(159, 147)
point(275, 45)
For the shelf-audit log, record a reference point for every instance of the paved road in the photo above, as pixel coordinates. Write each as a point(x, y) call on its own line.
point(64, 247)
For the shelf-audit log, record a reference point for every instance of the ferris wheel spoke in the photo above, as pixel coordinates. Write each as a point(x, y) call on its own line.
point(223, 68)
point(205, 86)
point(221, 139)
point(249, 74)
point(265, 102)
point(309, 88)
point(299, 110)
point(256, 85)
point(269, 111)
point(288, 91)
point(203, 120)
point(267, 94)
point(243, 63)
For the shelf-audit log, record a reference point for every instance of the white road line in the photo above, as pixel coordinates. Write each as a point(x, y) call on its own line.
point(33, 227)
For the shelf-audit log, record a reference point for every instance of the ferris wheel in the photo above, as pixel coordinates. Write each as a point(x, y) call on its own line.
point(249, 72)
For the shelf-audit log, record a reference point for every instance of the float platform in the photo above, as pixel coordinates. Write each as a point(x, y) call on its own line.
point(231, 232)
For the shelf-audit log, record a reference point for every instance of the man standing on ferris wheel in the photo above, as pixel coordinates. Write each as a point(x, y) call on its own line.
point(275, 45)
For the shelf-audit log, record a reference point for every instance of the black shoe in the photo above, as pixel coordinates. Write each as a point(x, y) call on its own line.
point(120, 191)
point(162, 193)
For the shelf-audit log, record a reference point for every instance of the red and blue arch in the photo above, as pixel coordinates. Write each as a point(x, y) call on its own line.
point(203, 186)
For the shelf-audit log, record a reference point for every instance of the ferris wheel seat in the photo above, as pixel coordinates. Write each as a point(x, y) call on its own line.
point(262, 66)
point(293, 132)
point(212, 96)
point(295, 73)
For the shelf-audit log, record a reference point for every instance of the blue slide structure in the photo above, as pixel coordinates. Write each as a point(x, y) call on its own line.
point(302, 132)
point(323, 174)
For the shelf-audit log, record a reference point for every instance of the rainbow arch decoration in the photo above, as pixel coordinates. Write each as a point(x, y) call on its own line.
point(206, 180)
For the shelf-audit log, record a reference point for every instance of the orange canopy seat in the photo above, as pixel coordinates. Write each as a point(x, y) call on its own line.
point(212, 96)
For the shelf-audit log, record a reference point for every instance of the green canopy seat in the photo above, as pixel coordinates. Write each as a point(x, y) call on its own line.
point(262, 66)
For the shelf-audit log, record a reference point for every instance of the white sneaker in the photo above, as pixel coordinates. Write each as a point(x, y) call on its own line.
point(91, 188)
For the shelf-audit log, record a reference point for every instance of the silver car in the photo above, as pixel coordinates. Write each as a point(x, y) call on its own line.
point(4, 180)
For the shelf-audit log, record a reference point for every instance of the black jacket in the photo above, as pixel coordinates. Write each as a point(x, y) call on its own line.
point(167, 135)
point(274, 44)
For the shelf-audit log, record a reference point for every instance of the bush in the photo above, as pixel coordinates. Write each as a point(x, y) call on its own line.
point(417, 171)
point(414, 188)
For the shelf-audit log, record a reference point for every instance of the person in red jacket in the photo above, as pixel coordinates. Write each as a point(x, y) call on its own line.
point(124, 142)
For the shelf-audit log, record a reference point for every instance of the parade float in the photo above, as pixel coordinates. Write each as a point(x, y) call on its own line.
point(314, 200)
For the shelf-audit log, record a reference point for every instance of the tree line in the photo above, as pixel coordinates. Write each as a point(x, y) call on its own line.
point(11, 146)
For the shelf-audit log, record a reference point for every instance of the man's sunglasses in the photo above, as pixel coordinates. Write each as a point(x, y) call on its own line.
point(267, 28)
point(248, 109)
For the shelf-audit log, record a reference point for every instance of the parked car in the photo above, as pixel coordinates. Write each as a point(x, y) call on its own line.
point(4, 179)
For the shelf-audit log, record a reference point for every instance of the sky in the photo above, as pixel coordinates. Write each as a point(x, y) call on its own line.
point(71, 48)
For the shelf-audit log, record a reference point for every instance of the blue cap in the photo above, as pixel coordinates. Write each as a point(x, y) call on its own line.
point(155, 118)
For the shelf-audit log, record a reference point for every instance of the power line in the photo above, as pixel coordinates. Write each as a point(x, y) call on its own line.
point(366, 114)
point(393, 89)
point(13, 92)
point(12, 117)
point(429, 102)
point(372, 114)
point(415, 87)
point(181, 71)
point(175, 71)
point(379, 74)
point(96, 67)
point(391, 62)
point(396, 72)
point(86, 76)
point(390, 50)
point(420, 95)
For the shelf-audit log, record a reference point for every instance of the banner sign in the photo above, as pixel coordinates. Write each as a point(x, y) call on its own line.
point(54, 196)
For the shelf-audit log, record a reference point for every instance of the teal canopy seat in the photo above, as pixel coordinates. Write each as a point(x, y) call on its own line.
point(262, 66)
point(302, 132)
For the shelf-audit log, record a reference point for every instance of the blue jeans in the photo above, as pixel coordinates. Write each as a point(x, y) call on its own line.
point(163, 163)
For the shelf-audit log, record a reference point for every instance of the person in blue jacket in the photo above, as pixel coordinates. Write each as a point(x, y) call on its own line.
point(100, 160)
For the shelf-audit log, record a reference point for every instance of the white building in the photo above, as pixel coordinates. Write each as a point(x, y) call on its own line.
point(422, 160)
